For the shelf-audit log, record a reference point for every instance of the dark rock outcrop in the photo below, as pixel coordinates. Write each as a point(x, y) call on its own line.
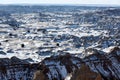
point(3, 53)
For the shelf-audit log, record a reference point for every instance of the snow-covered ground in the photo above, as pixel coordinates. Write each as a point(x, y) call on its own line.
point(38, 35)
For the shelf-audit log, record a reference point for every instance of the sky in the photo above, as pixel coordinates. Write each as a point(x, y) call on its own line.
point(104, 2)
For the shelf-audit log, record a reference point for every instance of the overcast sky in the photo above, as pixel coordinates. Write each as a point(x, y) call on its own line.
point(108, 2)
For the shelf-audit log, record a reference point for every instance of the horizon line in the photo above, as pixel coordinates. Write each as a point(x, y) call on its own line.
point(49, 4)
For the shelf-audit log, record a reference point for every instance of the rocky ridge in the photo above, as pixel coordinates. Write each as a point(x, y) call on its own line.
point(107, 65)
point(57, 67)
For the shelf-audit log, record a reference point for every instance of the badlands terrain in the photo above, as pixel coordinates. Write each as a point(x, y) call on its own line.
point(55, 41)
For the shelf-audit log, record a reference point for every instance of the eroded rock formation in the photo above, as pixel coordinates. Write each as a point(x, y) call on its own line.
point(84, 73)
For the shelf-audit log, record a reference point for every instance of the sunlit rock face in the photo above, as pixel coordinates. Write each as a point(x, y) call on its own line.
point(38, 75)
point(97, 66)
point(58, 67)
point(106, 64)
point(84, 73)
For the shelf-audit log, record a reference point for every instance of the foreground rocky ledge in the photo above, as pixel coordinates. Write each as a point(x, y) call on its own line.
point(103, 65)
point(106, 65)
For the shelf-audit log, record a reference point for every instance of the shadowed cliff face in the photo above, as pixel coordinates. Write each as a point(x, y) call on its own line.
point(16, 69)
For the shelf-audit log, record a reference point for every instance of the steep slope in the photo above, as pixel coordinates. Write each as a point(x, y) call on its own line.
point(106, 64)
point(16, 69)
point(57, 67)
